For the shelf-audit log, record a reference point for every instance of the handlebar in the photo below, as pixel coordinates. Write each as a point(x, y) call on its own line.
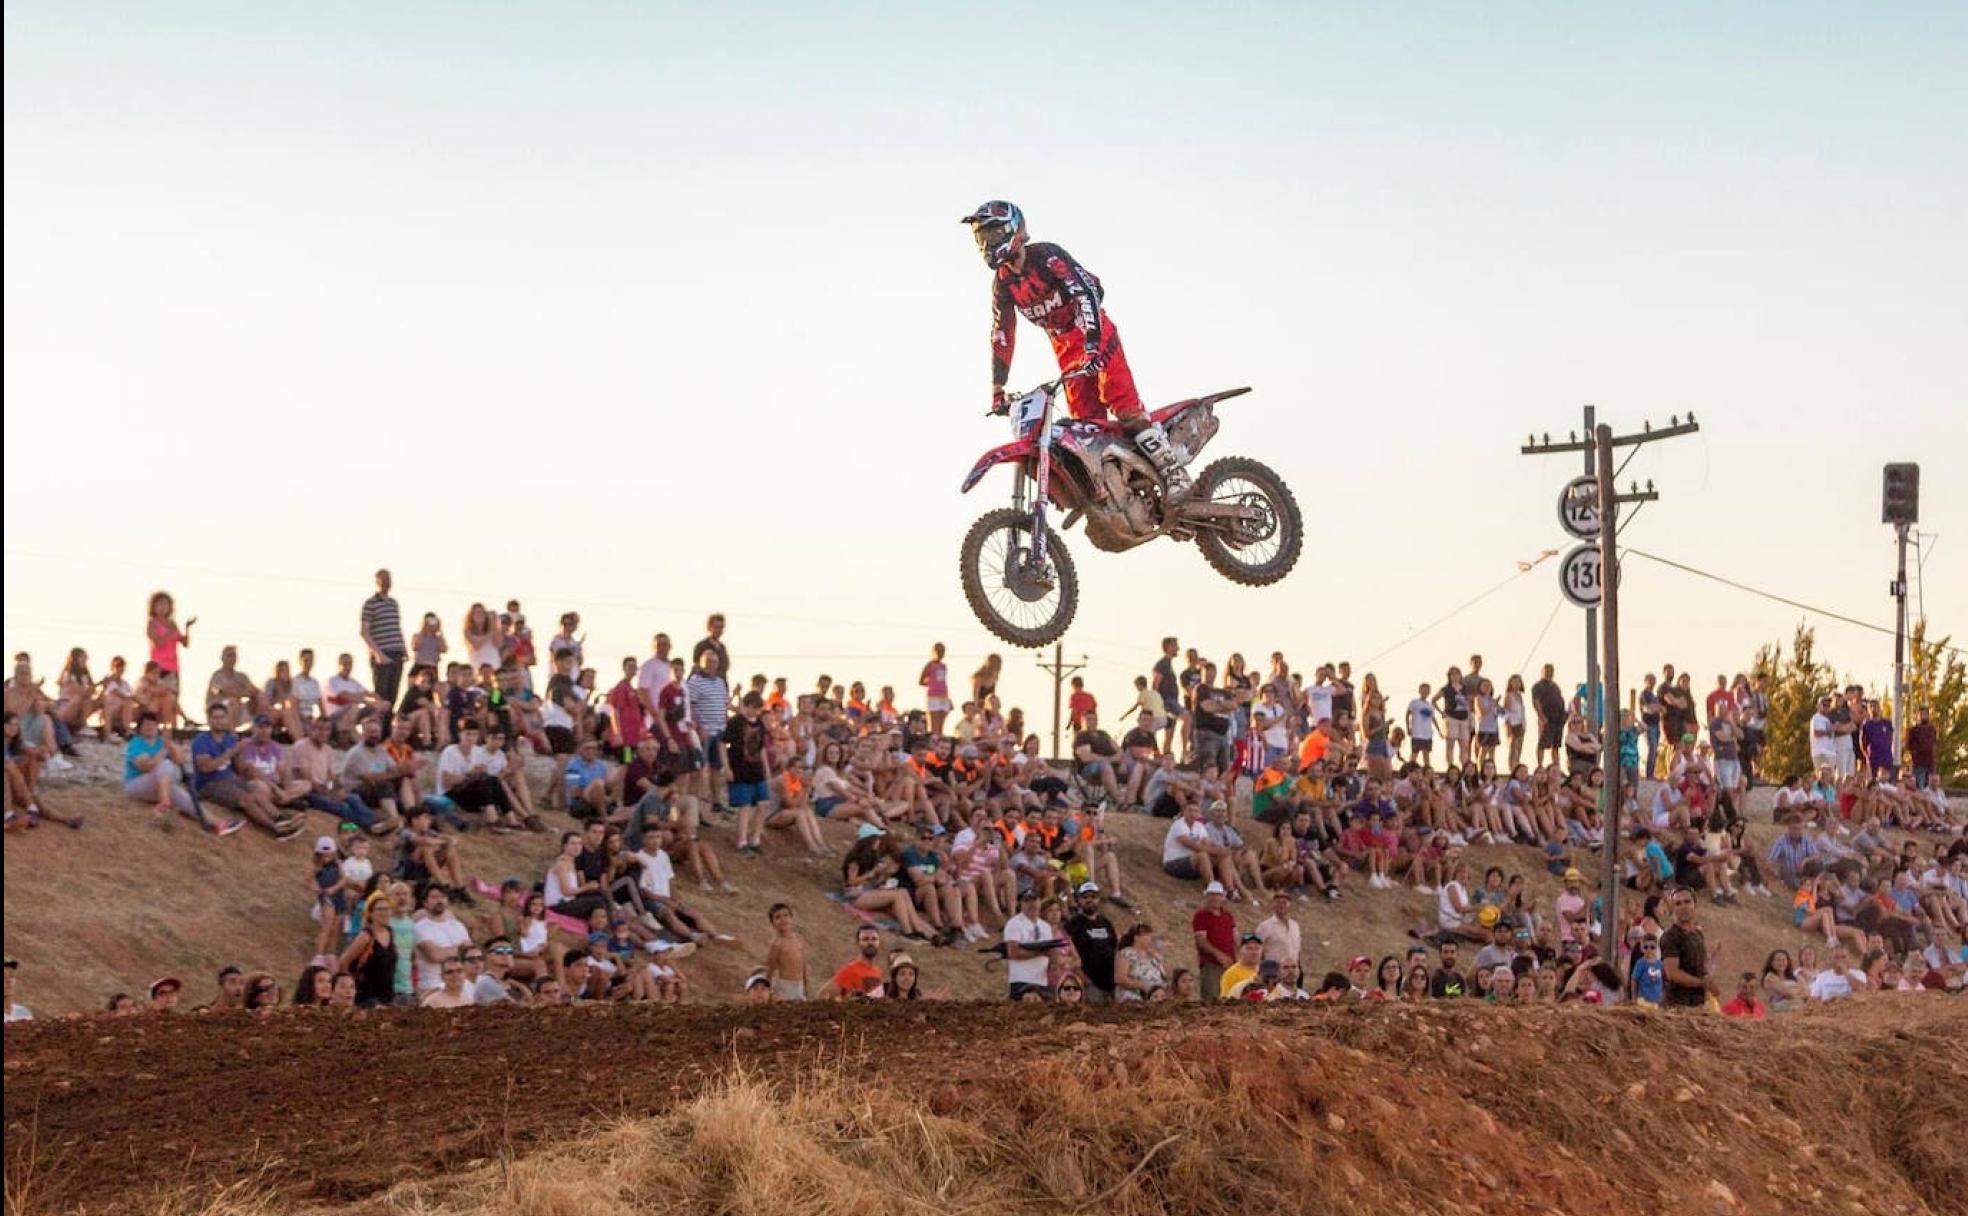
point(1050, 386)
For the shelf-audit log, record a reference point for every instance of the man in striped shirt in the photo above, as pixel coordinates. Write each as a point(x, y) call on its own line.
point(709, 700)
point(382, 632)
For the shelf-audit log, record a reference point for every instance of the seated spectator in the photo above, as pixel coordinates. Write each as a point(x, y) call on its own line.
point(450, 992)
point(233, 687)
point(861, 977)
point(153, 772)
point(220, 778)
point(585, 779)
point(24, 808)
point(313, 761)
point(464, 775)
point(347, 700)
point(440, 938)
point(370, 774)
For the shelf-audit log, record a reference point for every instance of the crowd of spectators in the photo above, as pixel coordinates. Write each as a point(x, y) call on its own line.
point(1279, 791)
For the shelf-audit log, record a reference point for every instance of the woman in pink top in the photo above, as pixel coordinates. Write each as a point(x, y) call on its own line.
point(165, 636)
point(935, 681)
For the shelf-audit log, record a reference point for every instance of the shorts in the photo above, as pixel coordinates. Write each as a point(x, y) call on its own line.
point(226, 791)
point(1212, 748)
point(1486, 738)
point(560, 740)
point(1456, 730)
point(1728, 773)
point(940, 705)
point(824, 807)
point(714, 753)
point(1797, 915)
point(1379, 749)
point(749, 793)
point(1183, 868)
point(1422, 744)
point(1173, 706)
point(1091, 772)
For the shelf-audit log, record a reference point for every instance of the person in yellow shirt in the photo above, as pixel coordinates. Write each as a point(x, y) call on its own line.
point(1250, 952)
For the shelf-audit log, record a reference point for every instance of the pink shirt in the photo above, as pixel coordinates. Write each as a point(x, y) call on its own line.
point(164, 639)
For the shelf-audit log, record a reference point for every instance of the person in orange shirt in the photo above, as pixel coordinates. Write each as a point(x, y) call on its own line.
point(860, 977)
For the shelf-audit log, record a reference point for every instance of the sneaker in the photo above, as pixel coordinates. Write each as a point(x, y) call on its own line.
point(1424, 889)
point(728, 888)
point(227, 827)
point(59, 764)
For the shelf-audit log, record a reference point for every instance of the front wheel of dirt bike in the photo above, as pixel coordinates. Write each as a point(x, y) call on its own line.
point(1017, 599)
point(1261, 547)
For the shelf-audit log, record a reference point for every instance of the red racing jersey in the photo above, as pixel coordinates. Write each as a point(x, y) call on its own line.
point(1053, 292)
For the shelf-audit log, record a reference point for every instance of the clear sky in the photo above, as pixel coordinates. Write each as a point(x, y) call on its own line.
point(651, 310)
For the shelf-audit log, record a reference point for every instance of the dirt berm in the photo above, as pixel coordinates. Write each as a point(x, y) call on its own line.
point(982, 1108)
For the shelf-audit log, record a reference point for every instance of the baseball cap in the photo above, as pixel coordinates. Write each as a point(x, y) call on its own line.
point(1248, 938)
point(1592, 997)
point(1359, 961)
point(163, 984)
point(262, 720)
point(1573, 875)
point(899, 959)
point(866, 830)
point(758, 979)
point(324, 844)
point(1487, 915)
point(1215, 888)
point(1087, 888)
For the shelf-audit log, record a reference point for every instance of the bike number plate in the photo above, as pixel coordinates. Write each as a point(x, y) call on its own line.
point(1025, 411)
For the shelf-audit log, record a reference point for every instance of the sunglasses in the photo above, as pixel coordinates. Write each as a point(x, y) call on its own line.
point(1071, 988)
point(501, 950)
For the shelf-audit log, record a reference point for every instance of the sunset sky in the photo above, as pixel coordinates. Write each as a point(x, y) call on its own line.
point(651, 310)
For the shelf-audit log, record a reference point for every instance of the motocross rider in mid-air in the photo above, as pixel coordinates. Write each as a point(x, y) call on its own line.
point(1062, 298)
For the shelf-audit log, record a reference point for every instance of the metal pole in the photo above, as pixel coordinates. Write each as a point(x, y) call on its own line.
point(1901, 715)
point(1609, 718)
point(1592, 698)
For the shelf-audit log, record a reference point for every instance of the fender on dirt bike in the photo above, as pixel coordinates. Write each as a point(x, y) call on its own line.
point(996, 456)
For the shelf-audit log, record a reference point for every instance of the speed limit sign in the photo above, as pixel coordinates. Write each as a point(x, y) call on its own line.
point(1579, 576)
point(1578, 507)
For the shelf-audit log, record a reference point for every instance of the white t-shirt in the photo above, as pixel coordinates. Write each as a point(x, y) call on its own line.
point(1823, 742)
point(652, 676)
point(1270, 723)
point(1181, 830)
point(344, 691)
point(1446, 900)
point(447, 933)
point(487, 991)
point(1022, 928)
point(1829, 985)
point(657, 873)
point(1318, 702)
point(1421, 721)
point(453, 764)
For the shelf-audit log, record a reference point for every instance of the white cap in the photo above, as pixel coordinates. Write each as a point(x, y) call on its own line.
point(1215, 888)
point(324, 844)
point(1088, 888)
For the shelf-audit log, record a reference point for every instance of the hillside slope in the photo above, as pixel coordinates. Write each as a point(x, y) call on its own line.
point(119, 903)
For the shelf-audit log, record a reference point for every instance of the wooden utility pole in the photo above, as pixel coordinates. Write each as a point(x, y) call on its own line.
point(1059, 669)
point(1602, 618)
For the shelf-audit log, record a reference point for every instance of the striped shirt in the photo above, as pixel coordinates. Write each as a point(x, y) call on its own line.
point(383, 626)
point(710, 703)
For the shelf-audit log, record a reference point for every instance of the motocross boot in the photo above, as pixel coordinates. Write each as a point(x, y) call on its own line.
point(1153, 442)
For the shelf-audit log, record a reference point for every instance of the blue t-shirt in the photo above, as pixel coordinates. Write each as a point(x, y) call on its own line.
point(1657, 858)
point(136, 750)
point(1649, 980)
point(583, 773)
point(212, 746)
point(1629, 747)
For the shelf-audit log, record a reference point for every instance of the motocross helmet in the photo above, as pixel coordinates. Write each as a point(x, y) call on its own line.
point(999, 228)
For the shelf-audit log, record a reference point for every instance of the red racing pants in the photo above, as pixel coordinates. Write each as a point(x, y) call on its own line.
point(1089, 398)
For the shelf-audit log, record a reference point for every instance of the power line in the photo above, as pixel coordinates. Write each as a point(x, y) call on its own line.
point(1555, 610)
point(1771, 595)
point(1452, 614)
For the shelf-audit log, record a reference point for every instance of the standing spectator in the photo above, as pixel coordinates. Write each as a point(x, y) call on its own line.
point(382, 633)
point(1515, 721)
point(1650, 721)
point(1549, 703)
point(1027, 941)
point(1725, 739)
point(1685, 955)
point(861, 976)
point(1079, 706)
point(1212, 723)
point(165, 636)
point(1876, 740)
point(1753, 704)
point(1421, 727)
point(1215, 930)
point(429, 645)
point(1278, 931)
point(1824, 743)
point(747, 773)
point(713, 643)
point(653, 675)
point(1095, 941)
point(1169, 688)
point(785, 959)
point(708, 695)
point(935, 682)
point(1717, 698)
point(440, 938)
point(1677, 706)
point(1922, 742)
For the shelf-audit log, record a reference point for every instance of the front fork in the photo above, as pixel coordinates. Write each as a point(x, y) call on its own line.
point(1042, 476)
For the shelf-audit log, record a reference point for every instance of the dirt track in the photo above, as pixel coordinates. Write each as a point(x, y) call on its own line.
point(109, 1115)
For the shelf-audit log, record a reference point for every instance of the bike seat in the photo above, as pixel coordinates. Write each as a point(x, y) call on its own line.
point(1171, 410)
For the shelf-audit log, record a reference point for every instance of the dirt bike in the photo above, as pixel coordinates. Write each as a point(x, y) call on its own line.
point(1019, 577)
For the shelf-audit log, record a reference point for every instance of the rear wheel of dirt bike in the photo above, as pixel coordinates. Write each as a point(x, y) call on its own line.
point(1262, 549)
point(1017, 600)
